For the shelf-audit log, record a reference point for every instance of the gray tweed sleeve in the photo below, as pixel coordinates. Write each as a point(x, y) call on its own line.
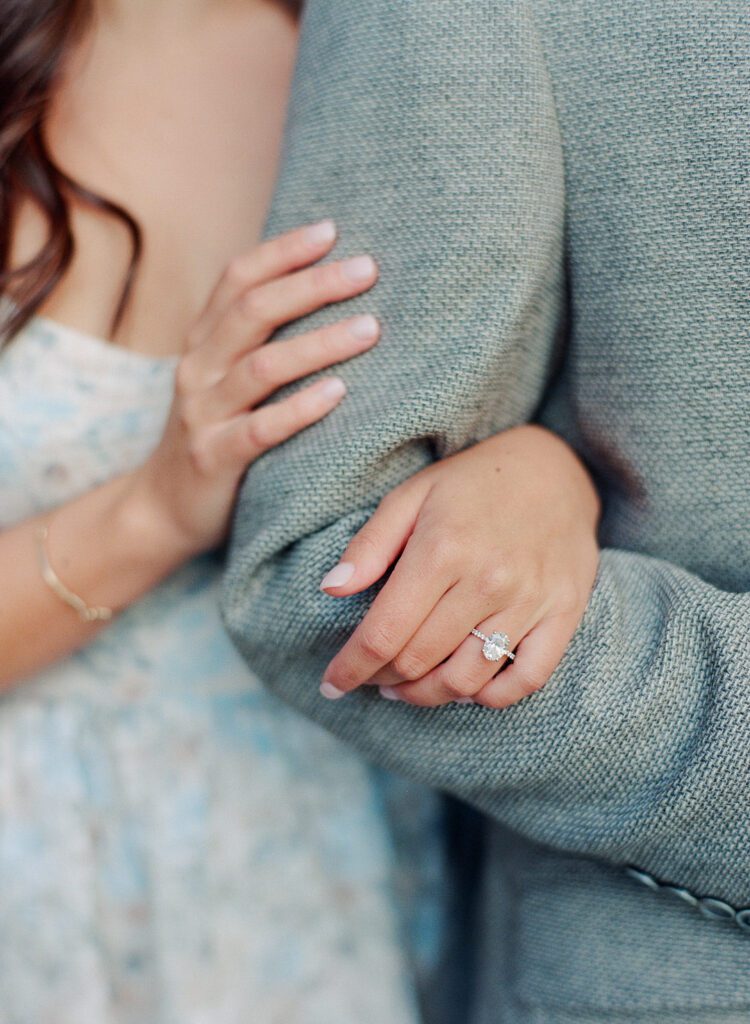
point(427, 129)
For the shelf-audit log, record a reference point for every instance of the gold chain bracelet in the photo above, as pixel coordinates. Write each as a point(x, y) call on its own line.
point(53, 581)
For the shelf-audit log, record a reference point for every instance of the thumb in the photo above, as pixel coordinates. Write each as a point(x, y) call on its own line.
point(380, 541)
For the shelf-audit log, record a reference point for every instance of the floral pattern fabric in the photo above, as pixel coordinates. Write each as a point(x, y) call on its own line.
point(176, 846)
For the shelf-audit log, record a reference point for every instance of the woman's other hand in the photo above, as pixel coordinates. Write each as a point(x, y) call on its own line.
point(215, 430)
point(500, 537)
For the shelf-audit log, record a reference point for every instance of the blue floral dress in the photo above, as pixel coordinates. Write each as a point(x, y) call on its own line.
point(176, 847)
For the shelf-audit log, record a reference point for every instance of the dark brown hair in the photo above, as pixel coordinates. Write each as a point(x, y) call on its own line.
point(35, 38)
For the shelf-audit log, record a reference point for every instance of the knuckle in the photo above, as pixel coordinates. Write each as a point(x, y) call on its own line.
point(262, 365)
point(237, 272)
point(443, 550)
point(343, 671)
point(185, 376)
point(366, 543)
point(317, 280)
point(200, 455)
point(517, 583)
point(194, 338)
point(256, 309)
point(190, 413)
point(409, 665)
point(495, 579)
point(259, 433)
point(376, 643)
point(458, 685)
point(528, 592)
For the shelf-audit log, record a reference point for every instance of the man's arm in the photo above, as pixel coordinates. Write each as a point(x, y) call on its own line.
point(428, 130)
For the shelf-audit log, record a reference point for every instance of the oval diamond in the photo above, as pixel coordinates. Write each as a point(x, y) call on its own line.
point(495, 646)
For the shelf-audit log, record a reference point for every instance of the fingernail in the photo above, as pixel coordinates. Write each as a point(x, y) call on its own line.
point(338, 576)
point(331, 692)
point(464, 700)
point(389, 693)
point(364, 328)
point(333, 387)
point(359, 269)
point(319, 234)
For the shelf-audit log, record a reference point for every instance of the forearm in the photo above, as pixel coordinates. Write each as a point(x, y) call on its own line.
point(635, 751)
point(107, 546)
point(637, 748)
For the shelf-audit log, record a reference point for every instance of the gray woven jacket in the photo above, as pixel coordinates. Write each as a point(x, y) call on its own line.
point(559, 197)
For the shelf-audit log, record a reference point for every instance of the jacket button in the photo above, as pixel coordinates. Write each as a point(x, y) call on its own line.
point(682, 894)
point(716, 909)
point(643, 877)
point(742, 917)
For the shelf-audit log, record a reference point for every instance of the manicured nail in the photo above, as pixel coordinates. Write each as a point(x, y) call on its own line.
point(364, 328)
point(389, 693)
point(321, 233)
point(333, 387)
point(331, 692)
point(359, 269)
point(464, 700)
point(338, 576)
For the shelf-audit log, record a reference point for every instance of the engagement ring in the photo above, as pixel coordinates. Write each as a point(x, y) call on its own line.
point(496, 646)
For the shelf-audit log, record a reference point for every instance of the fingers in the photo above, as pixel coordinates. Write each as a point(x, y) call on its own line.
point(257, 313)
point(538, 655)
point(281, 255)
point(235, 444)
point(437, 638)
point(380, 541)
point(412, 591)
point(262, 372)
point(466, 672)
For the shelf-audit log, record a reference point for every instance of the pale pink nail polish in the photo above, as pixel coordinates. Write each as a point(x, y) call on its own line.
point(464, 700)
point(322, 233)
point(331, 692)
point(364, 328)
point(333, 387)
point(338, 576)
point(359, 269)
point(389, 693)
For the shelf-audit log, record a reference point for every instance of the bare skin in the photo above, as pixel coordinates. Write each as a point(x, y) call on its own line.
point(196, 167)
point(175, 109)
point(506, 530)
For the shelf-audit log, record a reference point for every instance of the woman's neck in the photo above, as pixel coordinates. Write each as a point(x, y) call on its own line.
point(182, 127)
point(143, 13)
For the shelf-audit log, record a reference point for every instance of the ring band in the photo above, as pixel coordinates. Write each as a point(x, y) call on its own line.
point(496, 646)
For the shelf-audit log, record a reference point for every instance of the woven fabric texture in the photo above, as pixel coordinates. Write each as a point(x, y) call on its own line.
point(559, 199)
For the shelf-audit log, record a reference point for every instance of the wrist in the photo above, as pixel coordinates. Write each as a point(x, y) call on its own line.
point(553, 463)
point(111, 546)
point(142, 517)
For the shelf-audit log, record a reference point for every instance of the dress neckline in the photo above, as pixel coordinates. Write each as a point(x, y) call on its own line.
point(100, 346)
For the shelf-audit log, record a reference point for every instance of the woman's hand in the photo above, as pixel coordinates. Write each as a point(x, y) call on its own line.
point(215, 430)
point(500, 537)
